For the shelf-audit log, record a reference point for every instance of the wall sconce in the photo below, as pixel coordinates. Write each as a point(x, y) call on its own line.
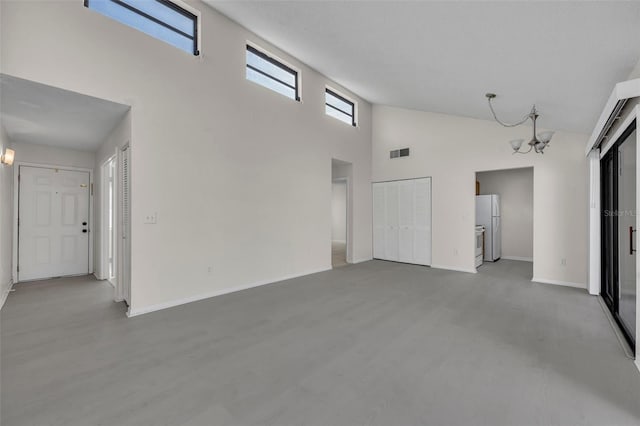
point(7, 157)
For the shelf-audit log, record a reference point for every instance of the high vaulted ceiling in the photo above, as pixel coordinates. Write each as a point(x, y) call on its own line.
point(444, 56)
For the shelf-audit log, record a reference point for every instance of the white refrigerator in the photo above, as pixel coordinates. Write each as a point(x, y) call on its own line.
point(488, 215)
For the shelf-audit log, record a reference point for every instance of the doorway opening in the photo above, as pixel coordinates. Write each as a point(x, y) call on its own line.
point(341, 178)
point(619, 233)
point(504, 220)
point(64, 225)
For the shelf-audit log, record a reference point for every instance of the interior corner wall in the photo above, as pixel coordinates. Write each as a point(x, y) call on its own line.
point(6, 221)
point(237, 174)
point(515, 188)
point(452, 149)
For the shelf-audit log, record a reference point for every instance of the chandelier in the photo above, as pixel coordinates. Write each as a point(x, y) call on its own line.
point(538, 141)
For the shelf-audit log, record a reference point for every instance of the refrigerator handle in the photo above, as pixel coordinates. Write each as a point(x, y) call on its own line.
point(631, 249)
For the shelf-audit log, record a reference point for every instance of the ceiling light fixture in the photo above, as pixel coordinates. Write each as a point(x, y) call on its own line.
point(538, 142)
point(7, 157)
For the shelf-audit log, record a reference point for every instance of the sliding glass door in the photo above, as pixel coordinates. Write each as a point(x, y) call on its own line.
point(618, 285)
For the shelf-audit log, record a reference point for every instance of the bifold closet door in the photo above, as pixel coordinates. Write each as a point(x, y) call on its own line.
point(406, 220)
point(422, 226)
point(402, 221)
point(391, 229)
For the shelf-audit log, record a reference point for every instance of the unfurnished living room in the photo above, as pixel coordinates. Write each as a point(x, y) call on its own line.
point(331, 213)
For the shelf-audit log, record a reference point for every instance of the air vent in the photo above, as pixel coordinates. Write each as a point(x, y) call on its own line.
point(397, 153)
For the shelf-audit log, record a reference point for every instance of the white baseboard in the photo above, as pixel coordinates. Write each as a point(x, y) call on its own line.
point(522, 259)
point(5, 292)
point(455, 268)
point(160, 306)
point(354, 261)
point(556, 282)
point(339, 241)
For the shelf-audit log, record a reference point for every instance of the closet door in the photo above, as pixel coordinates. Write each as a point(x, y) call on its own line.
point(379, 220)
point(391, 232)
point(422, 228)
point(406, 226)
point(402, 221)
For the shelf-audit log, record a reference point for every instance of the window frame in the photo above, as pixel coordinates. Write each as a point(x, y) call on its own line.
point(194, 17)
point(354, 105)
point(277, 62)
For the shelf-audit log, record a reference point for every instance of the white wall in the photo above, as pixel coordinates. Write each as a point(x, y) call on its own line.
point(339, 212)
point(515, 188)
point(452, 149)
point(43, 154)
point(636, 72)
point(237, 174)
point(6, 220)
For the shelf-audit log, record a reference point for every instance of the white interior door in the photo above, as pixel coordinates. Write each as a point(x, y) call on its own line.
point(402, 221)
point(422, 228)
point(406, 220)
point(53, 223)
point(391, 232)
point(125, 187)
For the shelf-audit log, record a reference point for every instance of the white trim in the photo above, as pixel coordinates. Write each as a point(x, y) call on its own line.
point(519, 258)
point(5, 293)
point(368, 259)
point(621, 92)
point(339, 241)
point(455, 269)
point(104, 233)
point(593, 281)
point(557, 282)
point(160, 306)
point(612, 139)
point(16, 205)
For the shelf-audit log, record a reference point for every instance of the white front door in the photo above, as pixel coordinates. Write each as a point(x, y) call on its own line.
point(53, 223)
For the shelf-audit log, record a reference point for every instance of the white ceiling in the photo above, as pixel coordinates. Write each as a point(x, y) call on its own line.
point(444, 56)
point(46, 115)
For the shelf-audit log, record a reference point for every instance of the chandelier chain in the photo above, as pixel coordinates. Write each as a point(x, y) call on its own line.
point(524, 119)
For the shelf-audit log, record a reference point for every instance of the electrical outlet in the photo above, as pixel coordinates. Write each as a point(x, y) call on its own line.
point(210, 270)
point(455, 252)
point(151, 219)
point(563, 261)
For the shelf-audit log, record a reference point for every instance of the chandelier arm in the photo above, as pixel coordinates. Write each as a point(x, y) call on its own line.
point(525, 152)
point(524, 119)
